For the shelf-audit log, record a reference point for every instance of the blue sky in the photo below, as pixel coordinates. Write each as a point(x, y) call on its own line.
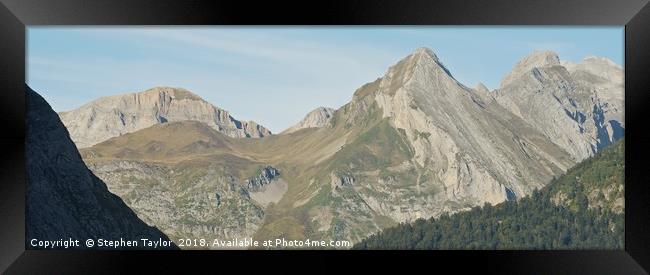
point(275, 75)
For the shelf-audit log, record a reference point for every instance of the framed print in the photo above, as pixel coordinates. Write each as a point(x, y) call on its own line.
point(507, 134)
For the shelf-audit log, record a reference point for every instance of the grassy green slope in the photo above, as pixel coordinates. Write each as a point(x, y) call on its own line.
point(367, 143)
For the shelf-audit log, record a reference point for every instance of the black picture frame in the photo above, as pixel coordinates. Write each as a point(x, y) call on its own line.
point(15, 15)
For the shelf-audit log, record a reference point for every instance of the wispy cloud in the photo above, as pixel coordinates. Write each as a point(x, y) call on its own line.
point(270, 75)
point(276, 48)
point(557, 46)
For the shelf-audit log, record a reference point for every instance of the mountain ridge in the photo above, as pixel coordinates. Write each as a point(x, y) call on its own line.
point(112, 116)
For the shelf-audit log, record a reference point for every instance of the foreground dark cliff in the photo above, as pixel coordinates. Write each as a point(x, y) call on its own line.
point(65, 199)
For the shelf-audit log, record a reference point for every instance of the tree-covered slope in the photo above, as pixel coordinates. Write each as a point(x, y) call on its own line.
point(583, 209)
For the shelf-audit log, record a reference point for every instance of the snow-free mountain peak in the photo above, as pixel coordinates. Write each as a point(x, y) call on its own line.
point(426, 59)
point(537, 59)
point(460, 133)
point(425, 52)
point(598, 66)
point(113, 116)
point(421, 67)
point(578, 106)
point(318, 117)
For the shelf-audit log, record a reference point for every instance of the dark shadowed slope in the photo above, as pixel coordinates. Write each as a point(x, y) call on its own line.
point(64, 198)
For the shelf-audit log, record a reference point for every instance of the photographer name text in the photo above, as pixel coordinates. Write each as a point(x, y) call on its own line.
point(120, 243)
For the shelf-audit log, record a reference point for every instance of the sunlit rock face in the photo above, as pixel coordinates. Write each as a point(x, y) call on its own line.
point(579, 107)
point(113, 116)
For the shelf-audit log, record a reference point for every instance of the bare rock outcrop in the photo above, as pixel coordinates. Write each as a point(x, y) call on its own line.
point(319, 117)
point(265, 176)
point(113, 116)
point(536, 59)
point(578, 107)
point(473, 147)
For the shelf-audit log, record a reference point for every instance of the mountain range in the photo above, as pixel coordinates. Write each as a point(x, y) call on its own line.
point(414, 143)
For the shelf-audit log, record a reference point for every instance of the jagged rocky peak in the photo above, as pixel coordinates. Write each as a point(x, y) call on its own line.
point(113, 116)
point(427, 59)
point(537, 59)
point(317, 118)
point(424, 52)
point(414, 73)
point(421, 68)
point(437, 115)
point(420, 59)
point(576, 105)
point(599, 66)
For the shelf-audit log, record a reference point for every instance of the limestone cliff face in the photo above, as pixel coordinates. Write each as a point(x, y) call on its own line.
point(470, 146)
point(606, 79)
point(420, 144)
point(113, 116)
point(579, 107)
point(319, 117)
point(64, 198)
point(475, 149)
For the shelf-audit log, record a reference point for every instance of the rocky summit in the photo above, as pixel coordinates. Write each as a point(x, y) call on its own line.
point(113, 116)
point(577, 106)
point(319, 117)
point(414, 143)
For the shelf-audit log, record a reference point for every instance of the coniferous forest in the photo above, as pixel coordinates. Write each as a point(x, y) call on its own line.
point(582, 209)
